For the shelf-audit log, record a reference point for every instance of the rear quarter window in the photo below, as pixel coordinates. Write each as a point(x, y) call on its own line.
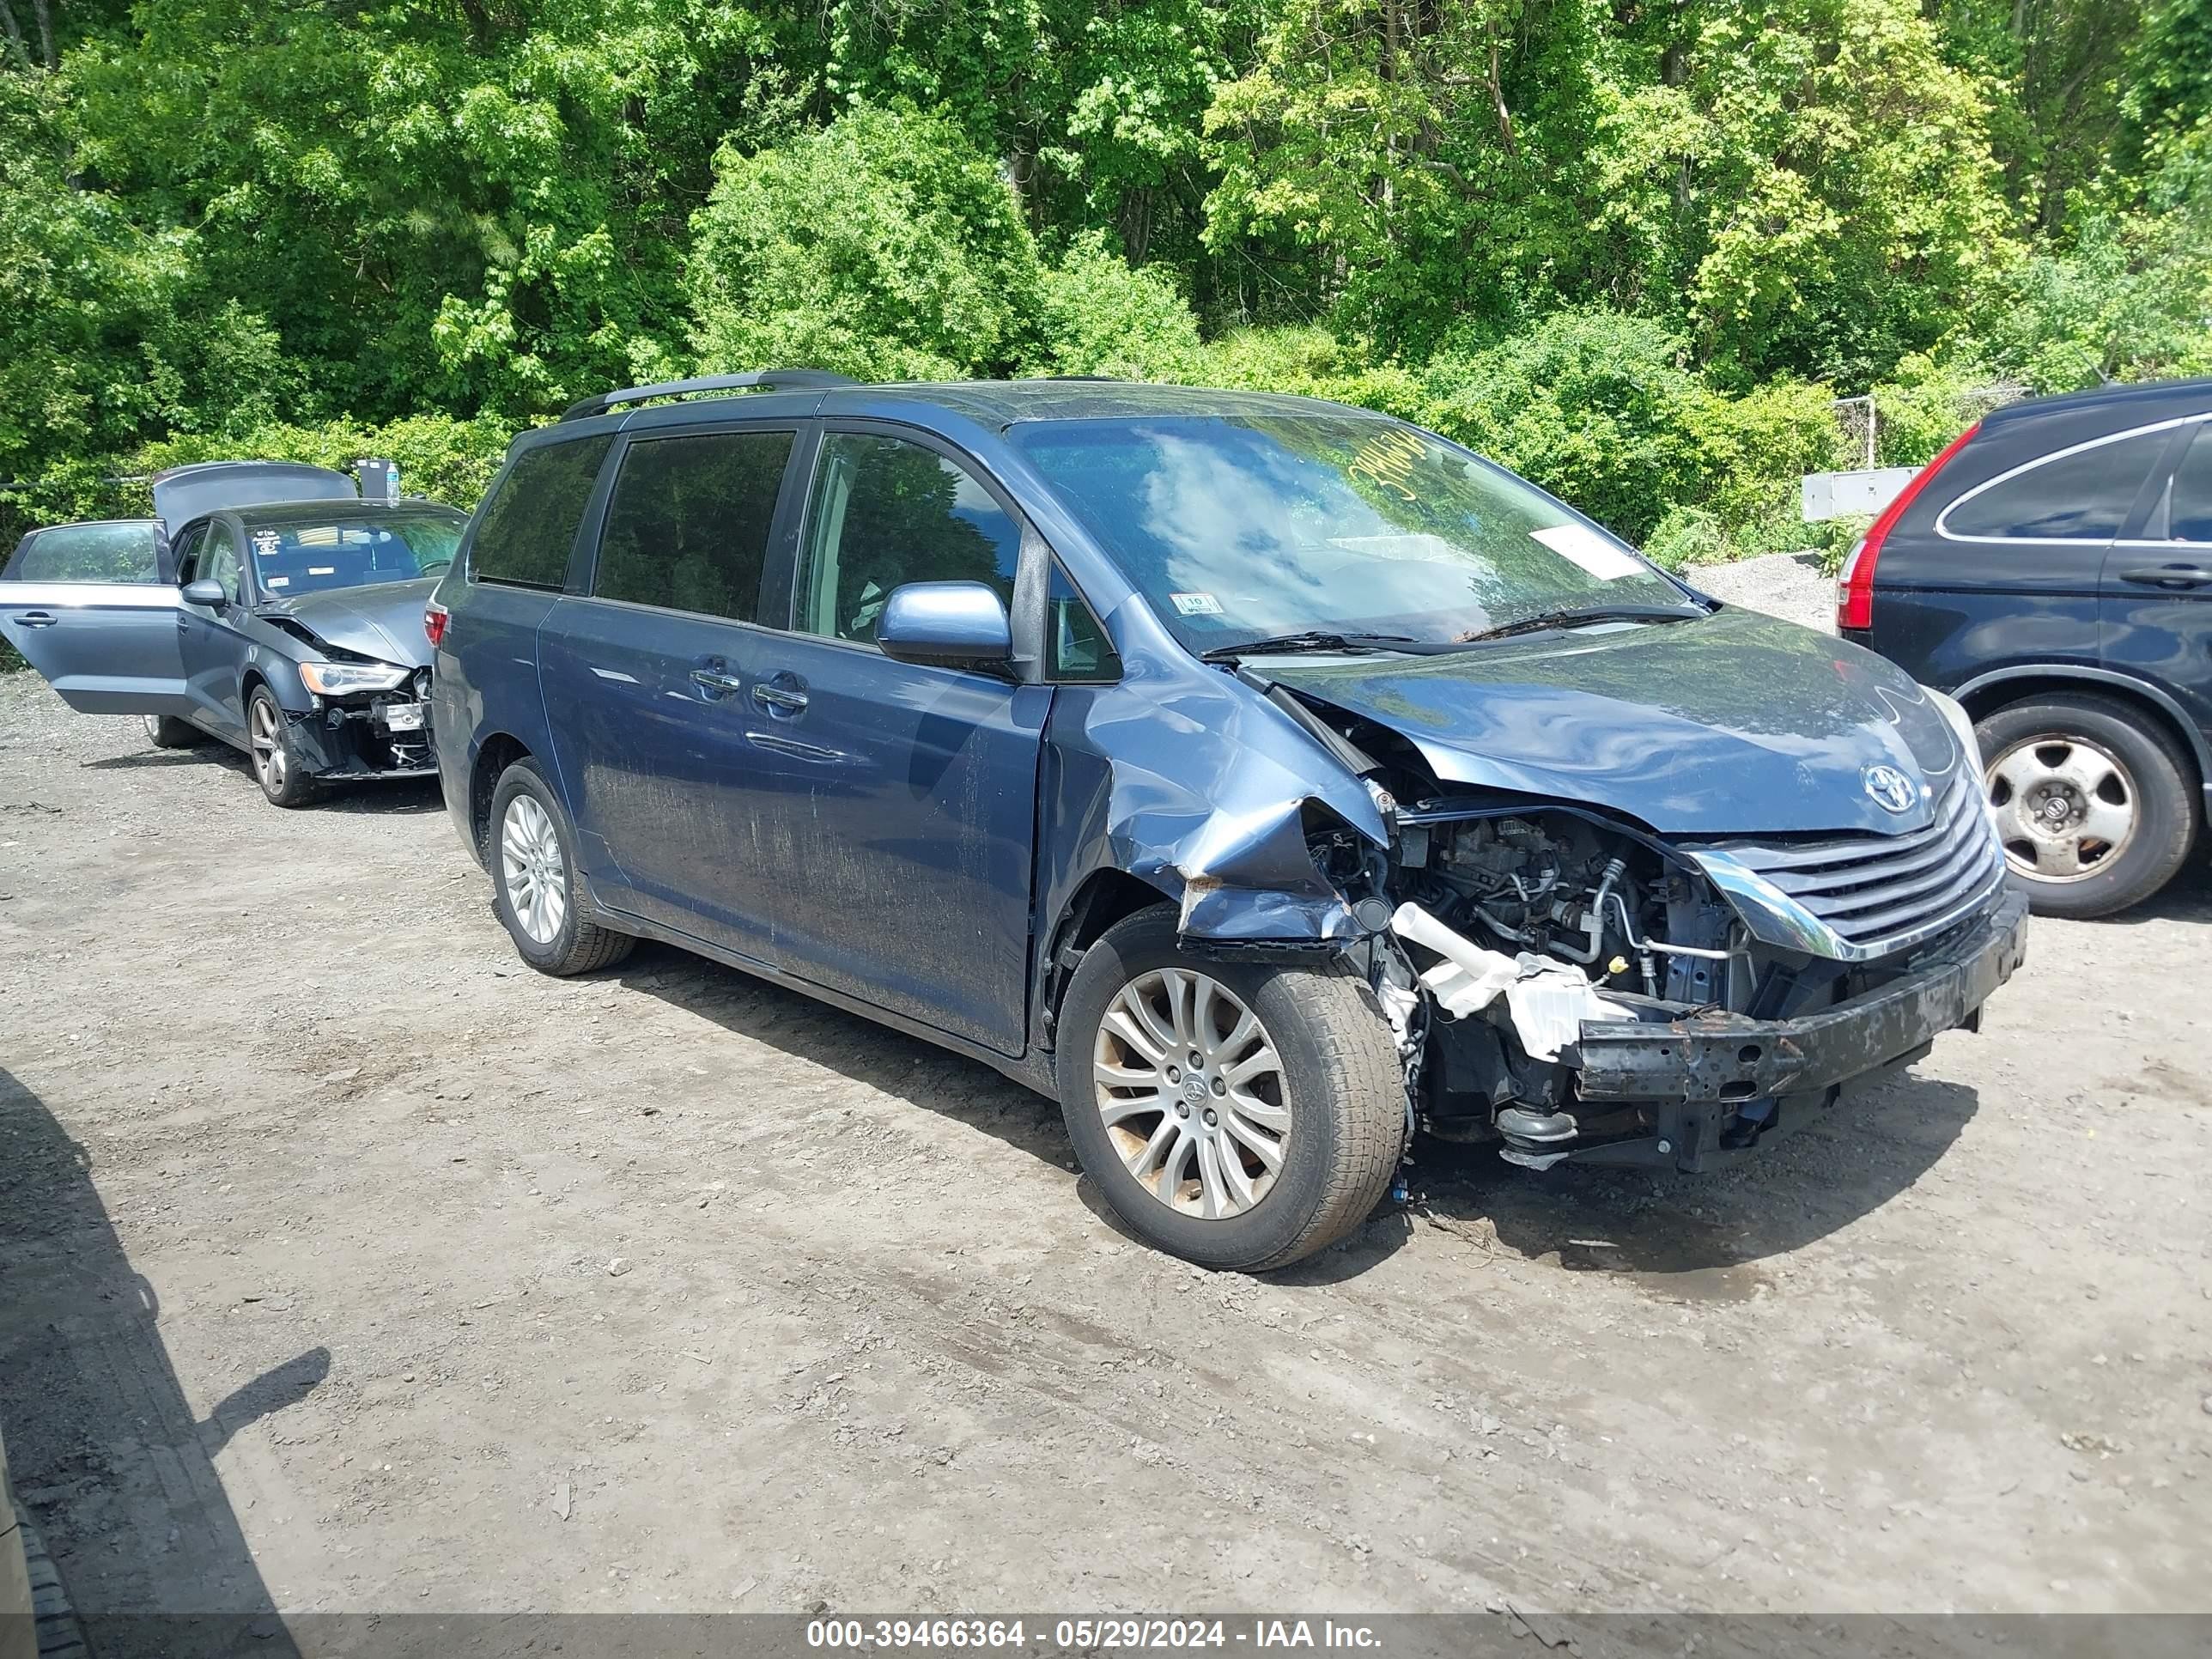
point(2079, 496)
point(530, 523)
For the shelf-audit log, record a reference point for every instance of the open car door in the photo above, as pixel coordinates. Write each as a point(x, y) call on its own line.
point(97, 615)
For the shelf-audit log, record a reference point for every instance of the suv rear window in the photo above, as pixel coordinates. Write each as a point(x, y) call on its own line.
point(530, 523)
point(687, 525)
point(2083, 497)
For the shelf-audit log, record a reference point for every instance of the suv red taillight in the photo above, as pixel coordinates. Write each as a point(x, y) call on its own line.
point(1855, 582)
point(434, 622)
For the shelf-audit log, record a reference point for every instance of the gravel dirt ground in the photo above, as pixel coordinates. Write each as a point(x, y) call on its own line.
point(351, 1266)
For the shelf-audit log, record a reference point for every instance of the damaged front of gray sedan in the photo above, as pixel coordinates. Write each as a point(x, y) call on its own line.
point(271, 608)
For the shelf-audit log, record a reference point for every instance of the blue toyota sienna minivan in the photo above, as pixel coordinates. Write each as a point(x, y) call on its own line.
point(1263, 778)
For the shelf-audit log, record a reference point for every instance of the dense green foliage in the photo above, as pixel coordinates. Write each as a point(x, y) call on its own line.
point(1632, 249)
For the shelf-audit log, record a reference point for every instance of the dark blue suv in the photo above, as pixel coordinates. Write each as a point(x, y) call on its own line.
point(1263, 778)
point(2052, 569)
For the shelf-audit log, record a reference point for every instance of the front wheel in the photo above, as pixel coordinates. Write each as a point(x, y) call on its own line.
point(277, 766)
point(2096, 808)
point(1240, 1115)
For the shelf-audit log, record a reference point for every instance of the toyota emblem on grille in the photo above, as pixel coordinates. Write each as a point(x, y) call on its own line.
point(1891, 789)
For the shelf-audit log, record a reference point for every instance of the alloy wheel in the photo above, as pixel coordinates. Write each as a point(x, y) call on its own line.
point(2066, 808)
point(534, 871)
point(1192, 1092)
point(268, 746)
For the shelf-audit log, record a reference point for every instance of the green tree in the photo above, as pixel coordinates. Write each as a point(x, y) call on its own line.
point(883, 245)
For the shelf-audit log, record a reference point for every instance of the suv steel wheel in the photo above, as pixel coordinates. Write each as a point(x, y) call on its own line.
point(2064, 806)
point(2096, 806)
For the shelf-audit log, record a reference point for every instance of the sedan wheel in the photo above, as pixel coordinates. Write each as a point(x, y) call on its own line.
point(1192, 1093)
point(2065, 807)
point(268, 742)
point(532, 865)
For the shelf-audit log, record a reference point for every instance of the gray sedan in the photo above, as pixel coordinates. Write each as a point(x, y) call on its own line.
point(291, 629)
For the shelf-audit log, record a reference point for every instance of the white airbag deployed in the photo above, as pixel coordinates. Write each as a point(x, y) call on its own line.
point(1547, 1000)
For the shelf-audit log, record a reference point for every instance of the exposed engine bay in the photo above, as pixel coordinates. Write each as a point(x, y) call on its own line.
point(1566, 986)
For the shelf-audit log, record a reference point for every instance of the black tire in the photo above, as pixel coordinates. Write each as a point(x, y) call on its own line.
point(166, 731)
point(279, 768)
point(577, 943)
point(1339, 1073)
point(2151, 775)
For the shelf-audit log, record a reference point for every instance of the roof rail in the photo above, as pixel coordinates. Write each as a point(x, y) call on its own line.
point(767, 380)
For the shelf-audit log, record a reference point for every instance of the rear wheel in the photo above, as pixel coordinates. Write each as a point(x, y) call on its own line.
point(535, 887)
point(276, 765)
point(1240, 1115)
point(2096, 807)
point(165, 732)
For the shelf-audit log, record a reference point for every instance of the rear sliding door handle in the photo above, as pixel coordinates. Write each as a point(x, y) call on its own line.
point(713, 679)
point(2168, 575)
point(778, 698)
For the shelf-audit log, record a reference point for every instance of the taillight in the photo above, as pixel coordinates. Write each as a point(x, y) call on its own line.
point(434, 622)
point(1854, 583)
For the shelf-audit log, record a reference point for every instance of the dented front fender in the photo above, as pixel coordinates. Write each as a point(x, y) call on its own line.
point(1196, 784)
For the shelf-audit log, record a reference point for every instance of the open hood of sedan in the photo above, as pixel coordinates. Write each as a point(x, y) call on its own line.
point(1734, 724)
point(383, 620)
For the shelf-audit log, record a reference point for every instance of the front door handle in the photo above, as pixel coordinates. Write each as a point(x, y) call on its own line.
point(2169, 575)
point(715, 681)
point(37, 619)
point(778, 699)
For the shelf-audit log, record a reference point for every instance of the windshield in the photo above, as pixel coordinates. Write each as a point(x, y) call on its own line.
point(1241, 529)
point(312, 556)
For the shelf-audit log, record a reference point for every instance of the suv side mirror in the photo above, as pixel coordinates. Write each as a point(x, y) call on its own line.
point(950, 624)
point(206, 592)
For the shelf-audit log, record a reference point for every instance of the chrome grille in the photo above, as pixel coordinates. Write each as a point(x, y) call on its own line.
point(1874, 891)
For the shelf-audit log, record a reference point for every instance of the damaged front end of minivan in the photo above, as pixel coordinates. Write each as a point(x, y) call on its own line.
point(1565, 982)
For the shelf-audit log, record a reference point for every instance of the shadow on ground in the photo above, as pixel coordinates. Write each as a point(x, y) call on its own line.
point(1686, 1237)
point(409, 794)
point(105, 1450)
point(965, 1090)
point(1696, 1237)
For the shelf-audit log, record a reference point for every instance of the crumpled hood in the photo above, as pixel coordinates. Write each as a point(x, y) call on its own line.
point(1732, 725)
point(384, 620)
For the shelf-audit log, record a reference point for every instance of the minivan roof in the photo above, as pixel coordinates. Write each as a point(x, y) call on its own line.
point(998, 403)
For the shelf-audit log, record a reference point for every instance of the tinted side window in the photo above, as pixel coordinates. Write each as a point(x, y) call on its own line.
point(886, 512)
point(2189, 518)
point(2084, 497)
point(528, 527)
point(1076, 646)
point(688, 524)
point(89, 553)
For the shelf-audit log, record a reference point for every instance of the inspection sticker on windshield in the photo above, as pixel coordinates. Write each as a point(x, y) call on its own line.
point(1196, 604)
point(276, 581)
point(1593, 552)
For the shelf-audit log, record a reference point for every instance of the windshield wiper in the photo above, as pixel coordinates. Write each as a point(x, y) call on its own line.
point(1544, 619)
point(1311, 639)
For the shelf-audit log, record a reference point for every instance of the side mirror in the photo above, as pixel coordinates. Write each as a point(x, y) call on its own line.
point(206, 593)
point(952, 624)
